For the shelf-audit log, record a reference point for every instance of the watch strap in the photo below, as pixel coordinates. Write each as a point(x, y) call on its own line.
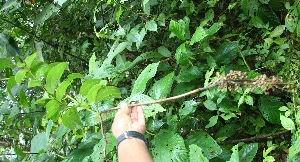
point(131, 134)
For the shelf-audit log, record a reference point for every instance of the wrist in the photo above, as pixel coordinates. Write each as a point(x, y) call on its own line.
point(131, 135)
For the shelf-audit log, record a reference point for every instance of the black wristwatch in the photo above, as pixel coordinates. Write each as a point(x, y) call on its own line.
point(130, 134)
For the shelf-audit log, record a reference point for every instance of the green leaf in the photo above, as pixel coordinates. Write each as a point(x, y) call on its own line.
point(210, 105)
point(71, 119)
point(45, 14)
point(199, 35)
point(5, 63)
point(19, 152)
point(164, 51)
point(30, 59)
point(241, 100)
point(161, 19)
point(178, 29)
point(136, 36)
point(187, 108)
point(54, 76)
point(249, 100)
point(141, 82)
point(149, 110)
point(59, 2)
point(268, 106)
point(23, 99)
point(34, 83)
point(8, 46)
point(93, 92)
point(147, 6)
point(209, 146)
point(212, 121)
point(226, 52)
point(188, 73)
point(52, 108)
point(162, 88)
point(119, 13)
point(298, 29)
point(8, 4)
point(168, 146)
point(196, 154)
point(248, 152)
point(291, 21)
point(107, 93)
point(14, 111)
point(287, 123)
point(39, 143)
point(88, 84)
point(294, 149)
point(20, 75)
point(183, 54)
point(214, 28)
point(235, 154)
point(97, 154)
point(227, 131)
point(151, 25)
point(277, 31)
point(61, 89)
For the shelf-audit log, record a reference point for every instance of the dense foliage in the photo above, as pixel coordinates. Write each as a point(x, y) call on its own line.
point(65, 63)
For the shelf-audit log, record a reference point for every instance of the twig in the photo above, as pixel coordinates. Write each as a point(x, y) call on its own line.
point(259, 137)
point(170, 98)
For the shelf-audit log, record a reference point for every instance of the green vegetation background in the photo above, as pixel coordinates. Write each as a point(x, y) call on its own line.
point(65, 63)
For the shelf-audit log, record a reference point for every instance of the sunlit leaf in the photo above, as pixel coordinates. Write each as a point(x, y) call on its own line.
point(151, 25)
point(168, 146)
point(88, 84)
point(287, 123)
point(5, 63)
point(277, 31)
point(30, 59)
point(196, 154)
point(38, 143)
point(141, 82)
point(162, 87)
point(210, 105)
point(52, 108)
point(235, 154)
point(54, 76)
point(199, 35)
point(34, 83)
point(20, 75)
point(107, 93)
point(212, 121)
point(71, 119)
point(178, 29)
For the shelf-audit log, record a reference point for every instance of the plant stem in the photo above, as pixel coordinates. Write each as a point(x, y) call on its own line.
point(259, 137)
point(170, 98)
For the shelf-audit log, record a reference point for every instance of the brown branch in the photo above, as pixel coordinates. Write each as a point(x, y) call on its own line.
point(255, 138)
point(170, 98)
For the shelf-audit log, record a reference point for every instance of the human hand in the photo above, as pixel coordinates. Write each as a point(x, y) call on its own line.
point(129, 119)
